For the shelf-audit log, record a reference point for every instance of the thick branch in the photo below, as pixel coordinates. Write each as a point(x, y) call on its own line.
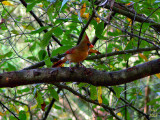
point(91, 76)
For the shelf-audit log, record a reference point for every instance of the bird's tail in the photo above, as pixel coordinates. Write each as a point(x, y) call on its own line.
point(59, 63)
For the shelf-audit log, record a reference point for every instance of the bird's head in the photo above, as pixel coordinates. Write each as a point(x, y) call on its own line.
point(86, 41)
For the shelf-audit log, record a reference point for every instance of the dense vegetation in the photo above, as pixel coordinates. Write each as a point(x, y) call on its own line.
point(36, 33)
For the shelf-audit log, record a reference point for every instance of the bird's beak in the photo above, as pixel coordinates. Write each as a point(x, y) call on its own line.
point(91, 46)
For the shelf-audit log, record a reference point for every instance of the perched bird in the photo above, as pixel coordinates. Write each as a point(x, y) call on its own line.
point(77, 53)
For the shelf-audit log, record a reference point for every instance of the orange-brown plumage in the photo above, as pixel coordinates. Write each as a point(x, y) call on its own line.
point(77, 53)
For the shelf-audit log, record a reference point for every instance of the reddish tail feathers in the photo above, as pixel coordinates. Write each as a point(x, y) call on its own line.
point(59, 63)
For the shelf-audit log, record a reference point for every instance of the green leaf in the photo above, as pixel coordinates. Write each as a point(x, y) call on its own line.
point(53, 93)
point(42, 54)
point(33, 47)
point(30, 6)
point(48, 61)
point(40, 30)
point(60, 50)
point(129, 45)
point(22, 115)
point(10, 117)
point(105, 101)
point(11, 67)
point(15, 32)
point(33, 58)
point(117, 90)
point(63, 3)
point(58, 31)
point(28, 27)
point(93, 92)
point(57, 107)
point(99, 29)
point(152, 102)
point(39, 99)
point(8, 54)
point(46, 38)
point(50, 13)
point(23, 90)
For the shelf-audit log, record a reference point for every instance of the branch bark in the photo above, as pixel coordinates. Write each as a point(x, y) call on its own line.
point(91, 76)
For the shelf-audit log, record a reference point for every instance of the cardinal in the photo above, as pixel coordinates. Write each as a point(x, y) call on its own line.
point(77, 53)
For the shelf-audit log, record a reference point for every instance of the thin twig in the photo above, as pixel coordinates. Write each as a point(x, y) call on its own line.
point(70, 106)
point(50, 106)
point(142, 25)
point(9, 110)
point(88, 99)
point(85, 27)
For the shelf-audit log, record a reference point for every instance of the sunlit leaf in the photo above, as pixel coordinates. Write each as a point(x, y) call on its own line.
point(119, 114)
point(15, 32)
point(39, 99)
point(97, 19)
point(40, 5)
point(1, 114)
point(83, 9)
point(7, 3)
point(100, 95)
point(34, 107)
point(143, 57)
point(158, 75)
point(116, 49)
point(28, 27)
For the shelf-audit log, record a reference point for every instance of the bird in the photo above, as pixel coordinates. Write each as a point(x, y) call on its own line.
point(77, 53)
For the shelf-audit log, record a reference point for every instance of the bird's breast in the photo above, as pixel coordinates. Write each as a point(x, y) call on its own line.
point(78, 56)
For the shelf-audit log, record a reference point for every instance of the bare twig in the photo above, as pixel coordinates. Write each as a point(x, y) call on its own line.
point(9, 110)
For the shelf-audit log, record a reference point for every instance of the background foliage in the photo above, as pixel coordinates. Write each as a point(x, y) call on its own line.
point(26, 40)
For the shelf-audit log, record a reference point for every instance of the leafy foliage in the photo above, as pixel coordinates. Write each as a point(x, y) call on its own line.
point(26, 40)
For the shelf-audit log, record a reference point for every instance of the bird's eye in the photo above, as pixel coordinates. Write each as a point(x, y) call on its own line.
point(88, 44)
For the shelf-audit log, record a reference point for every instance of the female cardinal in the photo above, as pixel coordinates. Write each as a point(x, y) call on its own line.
point(77, 53)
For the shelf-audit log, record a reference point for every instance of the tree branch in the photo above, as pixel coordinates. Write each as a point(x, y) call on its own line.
point(55, 59)
point(85, 27)
point(107, 108)
point(123, 10)
point(95, 77)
